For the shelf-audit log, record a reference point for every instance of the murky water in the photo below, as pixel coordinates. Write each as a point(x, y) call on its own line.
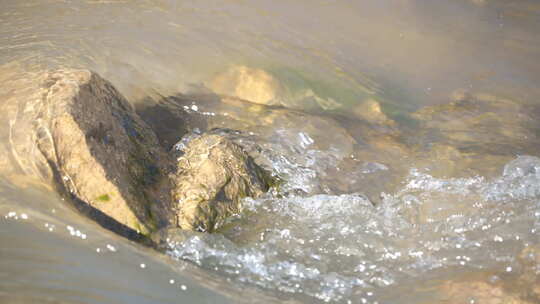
point(406, 132)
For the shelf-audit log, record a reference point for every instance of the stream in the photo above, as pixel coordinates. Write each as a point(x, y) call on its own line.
point(406, 133)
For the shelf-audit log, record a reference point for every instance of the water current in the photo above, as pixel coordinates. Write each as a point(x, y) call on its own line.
point(406, 133)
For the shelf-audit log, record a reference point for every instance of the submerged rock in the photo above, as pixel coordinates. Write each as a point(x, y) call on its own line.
point(478, 133)
point(479, 292)
point(212, 177)
point(313, 153)
point(247, 83)
point(370, 110)
point(529, 259)
point(98, 149)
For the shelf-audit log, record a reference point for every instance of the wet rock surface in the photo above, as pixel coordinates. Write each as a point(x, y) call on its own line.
point(314, 154)
point(247, 83)
point(474, 134)
point(478, 292)
point(212, 177)
point(88, 139)
point(530, 262)
point(99, 150)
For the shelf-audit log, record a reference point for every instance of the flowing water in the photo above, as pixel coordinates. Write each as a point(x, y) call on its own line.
point(406, 133)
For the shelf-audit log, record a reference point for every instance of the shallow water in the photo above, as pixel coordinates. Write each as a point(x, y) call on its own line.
point(376, 208)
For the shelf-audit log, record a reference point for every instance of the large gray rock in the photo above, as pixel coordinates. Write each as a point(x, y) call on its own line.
point(97, 148)
point(213, 175)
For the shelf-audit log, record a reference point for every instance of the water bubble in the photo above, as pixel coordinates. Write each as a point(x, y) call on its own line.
point(325, 246)
point(111, 248)
point(494, 279)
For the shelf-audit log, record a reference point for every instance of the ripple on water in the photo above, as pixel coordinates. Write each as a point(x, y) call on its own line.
point(337, 247)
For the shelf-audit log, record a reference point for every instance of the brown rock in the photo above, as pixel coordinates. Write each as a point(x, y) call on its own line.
point(473, 122)
point(99, 150)
point(370, 110)
point(212, 177)
point(478, 292)
point(247, 83)
point(475, 133)
point(529, 259)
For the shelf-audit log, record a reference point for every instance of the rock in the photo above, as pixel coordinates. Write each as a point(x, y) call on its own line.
point(478, 292)
point(73, 129)
point(529, 258)
point(475, 133)
point(314, 154)
point(98, 150)
point(370, 110)
point(247, 83)
point(303, 149)
point(473, 122)
point(212, 177)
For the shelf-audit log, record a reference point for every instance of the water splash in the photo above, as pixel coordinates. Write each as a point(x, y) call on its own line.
point(337, 248)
